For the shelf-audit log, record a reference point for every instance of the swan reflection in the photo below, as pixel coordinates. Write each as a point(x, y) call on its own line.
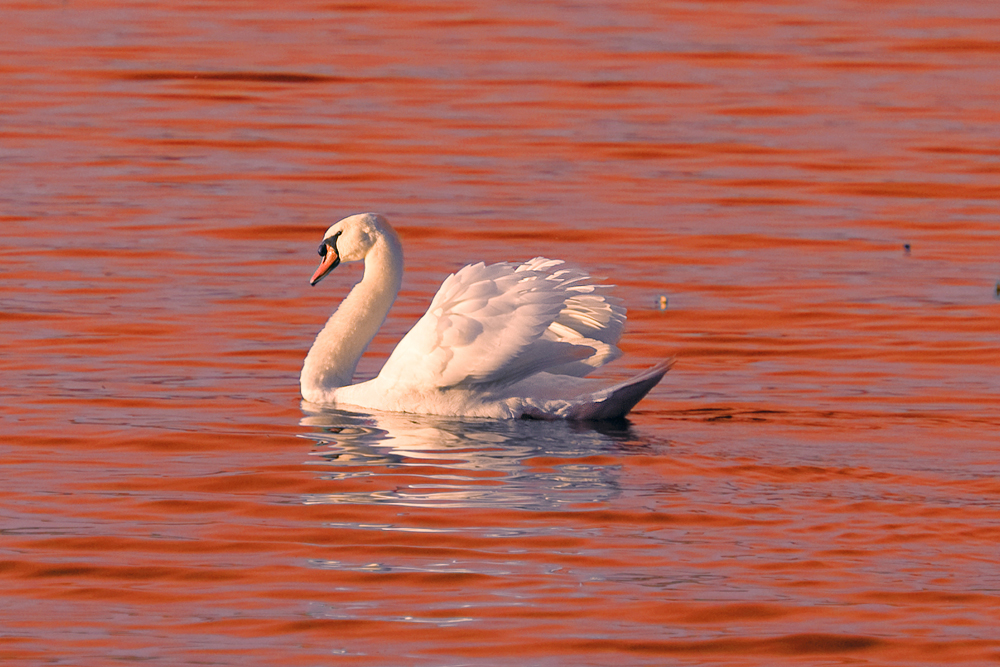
point(421, 461)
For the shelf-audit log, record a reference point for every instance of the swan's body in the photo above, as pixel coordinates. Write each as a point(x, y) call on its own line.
point(499, 341)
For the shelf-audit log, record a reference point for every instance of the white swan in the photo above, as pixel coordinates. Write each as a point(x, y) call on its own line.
point(500, 341)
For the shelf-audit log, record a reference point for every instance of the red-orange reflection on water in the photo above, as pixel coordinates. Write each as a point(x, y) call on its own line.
point(812, 189)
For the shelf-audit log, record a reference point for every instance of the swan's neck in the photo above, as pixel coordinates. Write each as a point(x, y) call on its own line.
point(338, 348)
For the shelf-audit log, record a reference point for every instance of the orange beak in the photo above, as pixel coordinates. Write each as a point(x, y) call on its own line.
point(330, 261)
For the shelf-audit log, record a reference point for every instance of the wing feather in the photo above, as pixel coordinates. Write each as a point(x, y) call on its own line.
point(490, 326)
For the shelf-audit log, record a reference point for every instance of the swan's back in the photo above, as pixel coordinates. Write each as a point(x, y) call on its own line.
point(490, 326)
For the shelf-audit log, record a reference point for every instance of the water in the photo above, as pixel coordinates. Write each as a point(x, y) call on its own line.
point(812, 188)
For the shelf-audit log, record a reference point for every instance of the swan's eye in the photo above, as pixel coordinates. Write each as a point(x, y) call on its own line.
point(322, 250)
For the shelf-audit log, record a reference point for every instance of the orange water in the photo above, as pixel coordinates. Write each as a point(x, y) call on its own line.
point(812, 186)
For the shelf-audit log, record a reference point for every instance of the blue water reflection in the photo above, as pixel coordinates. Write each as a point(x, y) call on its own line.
point(444, 462)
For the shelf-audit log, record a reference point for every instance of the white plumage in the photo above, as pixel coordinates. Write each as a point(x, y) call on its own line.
point(501, 340)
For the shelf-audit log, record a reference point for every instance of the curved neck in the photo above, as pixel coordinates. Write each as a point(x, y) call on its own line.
point(334, 356)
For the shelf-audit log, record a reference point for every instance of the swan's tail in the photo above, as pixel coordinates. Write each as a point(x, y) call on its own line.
point(616, 401)
point(612, 402)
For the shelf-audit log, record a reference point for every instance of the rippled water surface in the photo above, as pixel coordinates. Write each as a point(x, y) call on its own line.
point(799, 200)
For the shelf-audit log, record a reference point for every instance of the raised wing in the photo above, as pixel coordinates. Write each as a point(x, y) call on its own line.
point(491, 326)
point(589, 317)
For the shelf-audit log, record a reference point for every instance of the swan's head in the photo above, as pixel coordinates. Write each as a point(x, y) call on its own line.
point(350, 240)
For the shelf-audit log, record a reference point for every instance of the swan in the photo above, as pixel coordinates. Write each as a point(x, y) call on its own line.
point(498, 341)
